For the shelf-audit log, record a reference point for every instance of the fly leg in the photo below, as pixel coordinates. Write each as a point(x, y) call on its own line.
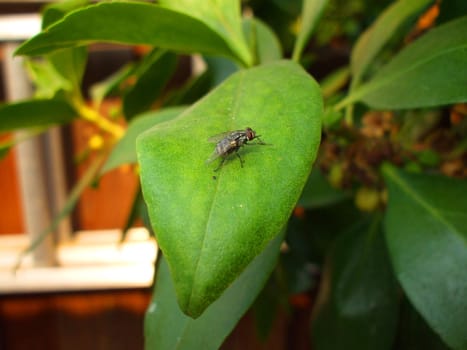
point(220, 164)
point(241, 160)
point(260, 142)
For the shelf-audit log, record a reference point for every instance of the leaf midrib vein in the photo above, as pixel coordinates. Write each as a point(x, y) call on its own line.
point(404, 186)
point(197, 264)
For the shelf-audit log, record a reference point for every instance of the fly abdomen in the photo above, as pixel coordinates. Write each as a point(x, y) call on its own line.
point(226, 147)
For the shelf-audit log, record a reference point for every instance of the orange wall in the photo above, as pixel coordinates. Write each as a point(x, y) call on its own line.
point(10, 205)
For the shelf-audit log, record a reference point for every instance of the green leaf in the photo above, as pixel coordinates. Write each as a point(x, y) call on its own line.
point(55, 11)
point(58, 72)
point(311, 14)
point(195, 88)
point(335, 81)
point(429, 72)
point(48, 82)
point(217, 70)
point(222, 16)
point(220, 68)
point(166, 327)
point(377, 36)
point(357, 306)
point(70, 64)
point(124, 151)
point(151, 80)
point(429, 252)
point(115, 22)
point(267, 305)
point(414, 333)
point(262, 41)
point(210, 225)
point(34, 113)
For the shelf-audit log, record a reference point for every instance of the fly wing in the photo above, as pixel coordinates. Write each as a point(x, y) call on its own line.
point(214, 155)
point(216, 138)
point(228, 134)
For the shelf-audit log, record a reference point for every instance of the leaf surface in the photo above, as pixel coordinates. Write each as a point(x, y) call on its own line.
point(116, 22)
point(151, 79)
point(373, 40)
point(124, 151)
point(34, 114)
point(262, 41)
point(429, 251)
point(357, 304)
point(210, 225)
point(429, 72)
point(222, 16)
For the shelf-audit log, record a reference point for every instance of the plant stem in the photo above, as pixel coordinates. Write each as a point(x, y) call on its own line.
point(93, 116)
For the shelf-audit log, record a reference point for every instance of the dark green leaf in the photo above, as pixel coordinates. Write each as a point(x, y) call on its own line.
point(223, 17)
point(414, 333)
point(298, 274)
point(357, 305)
point(124, 151)
point(377, 36)
point(429, 72)
point(166, 327)
point(135, 212)
point(116, 22)
point(151, 80)
point(429, 251)
point(192, 91)
point(220, 69)
point(266, 306)
point(70, 64)
point(210, 225)
point(55, 11)
point(34, 113)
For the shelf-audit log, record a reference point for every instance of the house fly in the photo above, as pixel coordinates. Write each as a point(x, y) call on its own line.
point(230, 142)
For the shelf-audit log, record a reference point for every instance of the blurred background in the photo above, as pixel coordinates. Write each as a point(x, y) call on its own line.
point(82, 288)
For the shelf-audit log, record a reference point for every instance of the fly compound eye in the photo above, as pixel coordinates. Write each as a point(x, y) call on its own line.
point(250, 134)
